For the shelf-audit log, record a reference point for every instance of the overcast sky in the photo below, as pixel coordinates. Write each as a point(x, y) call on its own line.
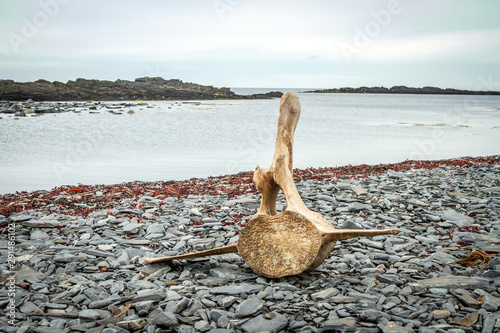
point(255, 43)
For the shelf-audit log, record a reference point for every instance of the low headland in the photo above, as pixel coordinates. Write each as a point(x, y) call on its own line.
point(146, 88)
point(404, 90)
point(76, 254)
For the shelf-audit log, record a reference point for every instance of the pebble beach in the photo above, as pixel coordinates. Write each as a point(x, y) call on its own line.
point(72, 258)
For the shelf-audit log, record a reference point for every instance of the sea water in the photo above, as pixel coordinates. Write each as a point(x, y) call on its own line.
point(181, 140)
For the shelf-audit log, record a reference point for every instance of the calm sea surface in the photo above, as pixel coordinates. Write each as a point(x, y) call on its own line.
point(174, 141)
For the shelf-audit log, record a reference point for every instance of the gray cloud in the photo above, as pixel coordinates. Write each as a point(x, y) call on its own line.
point(253, 43)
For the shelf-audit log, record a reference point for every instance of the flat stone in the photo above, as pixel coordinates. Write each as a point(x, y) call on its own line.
point(26, 273)
point(394, 174)
point(417, 202)
point(491, 303)
point(442, 257)
point(105, 247)
point(38, 235)
point(447, 282)
point(155, 228)
point(144, 307)
point(180, 305)
point(438, 291)
point(469, 320)
point(407, 290)
point(117, 287)
point(144, 284)
point(215, 314)
point(68, 257)
point(391, 289)
point(324, 294)
point(359, 190)
point(342, 299)
point(20, 218)
point(89, 315)
point(166, 319)
point(394, 327)
point(454, 217)
point(226, 273)
point(465, 297)
point(489, 324)
point(201, 244)
point(132, 228)
point(172, 296)
point(491, 248)
point(42, 329)
point(202, 326)
point(357, 206)
point(270, 322)
point(491, 189)
point(235, 289)
point(58, 323)
point(343, 186)
point(227, 301)
point(440, 314)
point(30, 308)
point(370, 315)
point(351, 225)
point(340, 325)
point(132, 325)
point(248, 307)
point(186, 329)
point(196, 212)
point(123, 258)
point(325, 197)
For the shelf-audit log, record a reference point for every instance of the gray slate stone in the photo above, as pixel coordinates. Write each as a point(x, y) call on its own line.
point(155, 228)
point(357, 206)
point(165, 319)
point(235, 289)
point(270, 322)
point(447, 282)
point(491, 303)
point(248, 307)
point(324, 294)
point(89, 315)
point(132, 228)
point(340, 325)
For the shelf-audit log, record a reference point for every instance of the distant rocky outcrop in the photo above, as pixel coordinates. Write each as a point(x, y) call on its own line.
point(404, 90)
point(146, 88)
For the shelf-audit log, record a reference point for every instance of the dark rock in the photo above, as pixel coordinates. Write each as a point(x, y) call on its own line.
point(370, 315)
point(404, 90)
point(145, 88)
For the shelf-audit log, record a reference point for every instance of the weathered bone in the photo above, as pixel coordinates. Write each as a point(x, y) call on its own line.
point(297, 239)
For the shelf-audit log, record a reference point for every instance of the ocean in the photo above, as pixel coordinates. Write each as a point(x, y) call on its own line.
point(181, 140)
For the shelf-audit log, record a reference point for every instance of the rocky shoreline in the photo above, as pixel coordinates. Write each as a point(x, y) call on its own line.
point(404, 90)
point(146, 88)
point(30, 108)
point(76, 255)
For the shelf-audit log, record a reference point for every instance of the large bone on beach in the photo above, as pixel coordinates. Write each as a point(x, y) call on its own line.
point(298, 239)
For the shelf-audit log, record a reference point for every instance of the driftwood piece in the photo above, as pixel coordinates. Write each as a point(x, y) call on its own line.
point(298, 239)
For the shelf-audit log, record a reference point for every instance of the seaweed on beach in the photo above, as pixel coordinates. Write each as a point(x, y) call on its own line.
point(81, 200)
